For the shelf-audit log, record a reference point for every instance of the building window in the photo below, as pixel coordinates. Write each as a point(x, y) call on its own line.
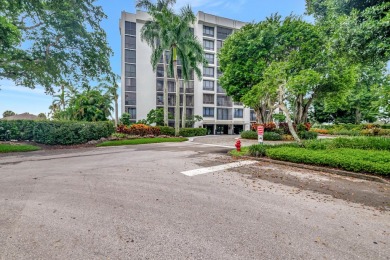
point(160, 71)
point(253, 115)
point(171, 86)
point(219, 73)
point(209, 57)
point(208, 31)
point(130, 99)
point(171, 100)
point(208, 99)
point(208, 72)
point(133, 112)
point(130, 84)
point(224, 101)
point(130, 56)
point(238, 113)
point(159, 99)
point(130, 42)
point(130, 71)
point(208, 112)
point(208, 45)
point(160, 85)
point(208, 85)
point(220, 89)
point(224, 114)
point(130, 28)
point(223, 33)
point(219, 45)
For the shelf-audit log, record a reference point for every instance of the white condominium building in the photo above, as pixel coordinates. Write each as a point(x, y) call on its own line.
point(142, 88)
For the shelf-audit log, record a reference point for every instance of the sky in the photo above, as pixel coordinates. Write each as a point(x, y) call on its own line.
point(34, 101)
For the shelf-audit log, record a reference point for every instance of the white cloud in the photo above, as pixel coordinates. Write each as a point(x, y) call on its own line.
point(202, 4)
point(7, 86)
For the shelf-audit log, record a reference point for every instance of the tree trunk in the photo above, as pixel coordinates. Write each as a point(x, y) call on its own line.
point(305, 113)
point(165, 90)
point(283, 107)
point(358, 116)
point(177, 102)
point(184, 116)
point(116, 111)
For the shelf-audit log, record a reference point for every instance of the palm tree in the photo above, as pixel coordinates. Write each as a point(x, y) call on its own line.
point(178, 36)
point(151, 32)
point(191, 62)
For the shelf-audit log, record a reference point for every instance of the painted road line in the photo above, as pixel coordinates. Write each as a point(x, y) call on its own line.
point(215, 145)
point(217, 168)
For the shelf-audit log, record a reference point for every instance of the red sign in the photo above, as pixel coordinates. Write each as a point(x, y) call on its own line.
point(260, 130)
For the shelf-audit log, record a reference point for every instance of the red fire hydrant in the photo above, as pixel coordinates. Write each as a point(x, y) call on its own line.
point(238, 145)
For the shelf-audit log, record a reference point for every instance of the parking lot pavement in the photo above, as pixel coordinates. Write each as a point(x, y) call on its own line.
point(135, 202)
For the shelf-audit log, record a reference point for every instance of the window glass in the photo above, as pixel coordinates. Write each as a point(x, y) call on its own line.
point(223, 33)
point(209, 57)
point(130, 42)
point(133, 112)
point(130, 56)
point(130, 28)
point(208, 85)
point(130, 84)
point(208, 31)
point(208, 112)
point(130, 71)
point(208, 72)
point(238, 113)
point(208, 45)
point(208, 99)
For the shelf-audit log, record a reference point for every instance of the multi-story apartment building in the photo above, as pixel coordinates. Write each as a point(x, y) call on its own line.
point(142, 87)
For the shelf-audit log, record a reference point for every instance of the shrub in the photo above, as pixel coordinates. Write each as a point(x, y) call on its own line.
point(257, 150)
point(167, 130)
point(306, 135)
point(320, 131)
point(138, 129)
point(287, 138)
point(268, 127)
point(370, 161)
point(54, 132)
point(285, 128)
point(125, 119)
point(249, 135)
point(188, 132)
point(271, 136)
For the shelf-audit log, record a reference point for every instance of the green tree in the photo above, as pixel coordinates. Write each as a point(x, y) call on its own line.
point(42, 115)
point(155, 116)
point(358, 29)
point(50, 42)
point(125, 119)
point(152, 32)
point(8, 113)
point(91, 104)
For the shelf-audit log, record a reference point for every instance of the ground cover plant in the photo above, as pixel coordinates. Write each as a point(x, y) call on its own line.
point(9, 148)
point(143, 141)
point(357, 154)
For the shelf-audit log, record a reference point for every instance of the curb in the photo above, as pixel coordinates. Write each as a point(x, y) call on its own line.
point(322, 169)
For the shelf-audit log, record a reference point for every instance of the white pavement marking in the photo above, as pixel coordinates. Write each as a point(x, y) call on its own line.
point(217, 168)
point(215, 145)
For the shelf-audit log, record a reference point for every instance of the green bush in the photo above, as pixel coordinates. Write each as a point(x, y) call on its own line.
point(54, 132)
point(167, 130)
point(249, 135)
point(356, 160)
point(257, 150)
point(188, 132)
point(306, 135)
point(272, 136)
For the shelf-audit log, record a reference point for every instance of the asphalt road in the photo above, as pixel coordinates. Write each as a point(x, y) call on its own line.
point(135, 203)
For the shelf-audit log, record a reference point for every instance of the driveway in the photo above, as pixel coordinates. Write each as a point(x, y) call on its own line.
point(183, 201)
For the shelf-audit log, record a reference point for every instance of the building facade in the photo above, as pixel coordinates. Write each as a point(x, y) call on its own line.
point(142, 87)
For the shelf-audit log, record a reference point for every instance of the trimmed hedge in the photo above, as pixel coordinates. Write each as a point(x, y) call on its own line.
point(54, 132)
point(249, 135)
point(138, 129)
point(271, 136)
point(306, 135)
point(188, 132)
point(167, 130)
point(257, 150)
point(356, 160)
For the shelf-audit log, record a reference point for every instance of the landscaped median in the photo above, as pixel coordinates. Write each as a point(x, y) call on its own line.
point(12, 148)
point(143, 141)
point(363, 154)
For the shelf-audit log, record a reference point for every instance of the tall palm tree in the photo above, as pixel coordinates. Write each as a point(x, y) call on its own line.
point(191, 62)
point(151, 32)
point(178, 36)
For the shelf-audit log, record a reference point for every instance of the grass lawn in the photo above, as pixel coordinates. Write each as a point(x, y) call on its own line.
point(143, 141)
point(10, 148)
point(244, 151)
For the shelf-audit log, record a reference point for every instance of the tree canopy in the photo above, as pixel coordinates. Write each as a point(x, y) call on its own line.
point(47, 42)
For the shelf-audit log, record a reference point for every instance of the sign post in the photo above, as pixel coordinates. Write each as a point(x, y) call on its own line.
point(260, 133)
